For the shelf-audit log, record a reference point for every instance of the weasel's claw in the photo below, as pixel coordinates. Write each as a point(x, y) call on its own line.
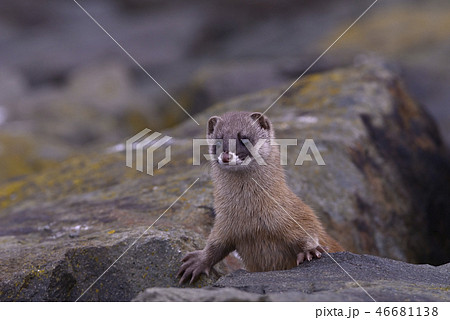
point(311, 254)
point(192, 267)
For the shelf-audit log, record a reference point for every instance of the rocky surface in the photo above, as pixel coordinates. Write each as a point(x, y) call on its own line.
point(74, 264)
point(197, 295)
point(383, 192)
point(374, 278)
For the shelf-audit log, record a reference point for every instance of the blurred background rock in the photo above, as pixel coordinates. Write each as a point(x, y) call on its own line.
point(66, 87)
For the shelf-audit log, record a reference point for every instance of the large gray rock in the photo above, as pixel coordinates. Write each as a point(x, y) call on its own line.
point(67, 272)
point(383, 192)
point(323, 280)
point(414, 37)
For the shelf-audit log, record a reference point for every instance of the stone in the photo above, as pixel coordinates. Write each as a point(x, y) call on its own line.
point(412, 37)
point(77, 263)
point(198, 295)
point(375, 278)
point(382, 192)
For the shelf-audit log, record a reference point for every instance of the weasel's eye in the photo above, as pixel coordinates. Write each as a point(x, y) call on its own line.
point(219, 143)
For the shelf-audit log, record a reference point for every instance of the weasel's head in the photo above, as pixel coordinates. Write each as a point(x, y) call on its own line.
point(240, 140)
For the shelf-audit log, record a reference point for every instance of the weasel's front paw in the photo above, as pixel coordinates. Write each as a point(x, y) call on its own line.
point(311, 254)
point(193, 266)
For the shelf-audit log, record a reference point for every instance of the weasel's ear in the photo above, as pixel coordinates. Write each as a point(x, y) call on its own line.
point(212, 122)
point(262, 120)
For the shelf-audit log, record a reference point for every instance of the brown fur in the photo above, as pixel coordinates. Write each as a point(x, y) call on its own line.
point(247, 219)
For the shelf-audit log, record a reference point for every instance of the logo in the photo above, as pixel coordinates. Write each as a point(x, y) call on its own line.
point(145, 148)
point(146, 143)
point(308, 147)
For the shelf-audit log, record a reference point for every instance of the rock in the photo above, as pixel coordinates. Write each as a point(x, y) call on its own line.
point(216, 83)
point(106, 87)
point(198, 295)
point(20, 156)
point(67, 236)
point(77, 263)
point(323, 280)
point(382, 191)
point(100, 105)
point(412, 36)
point(384, 279)
point(12, 87)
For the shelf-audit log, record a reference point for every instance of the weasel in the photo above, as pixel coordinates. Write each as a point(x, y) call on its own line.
point(256, 213)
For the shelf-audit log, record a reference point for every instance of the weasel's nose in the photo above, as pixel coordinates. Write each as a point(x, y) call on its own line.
point(225, 157)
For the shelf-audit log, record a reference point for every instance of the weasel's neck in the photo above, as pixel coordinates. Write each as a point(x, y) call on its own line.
point(250, 182)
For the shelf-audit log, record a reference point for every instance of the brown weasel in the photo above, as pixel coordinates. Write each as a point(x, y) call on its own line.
point(255, 209)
